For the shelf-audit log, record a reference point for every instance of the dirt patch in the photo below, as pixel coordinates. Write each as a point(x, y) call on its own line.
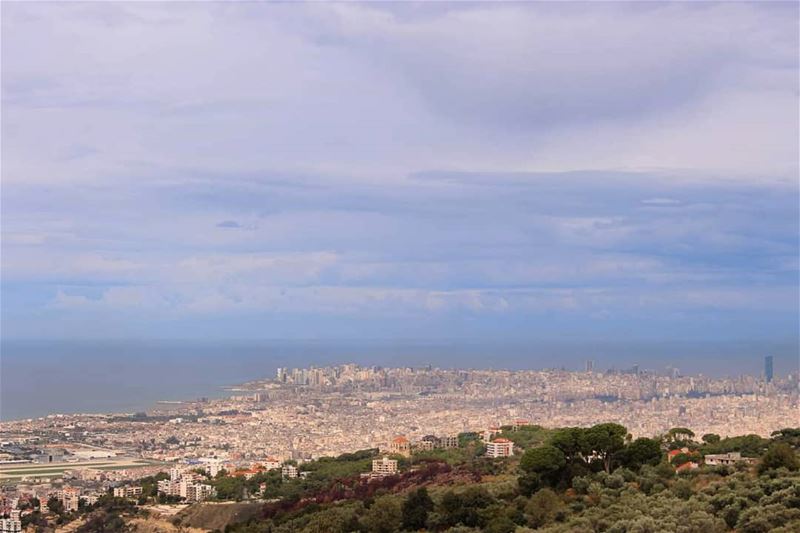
point(215, 516)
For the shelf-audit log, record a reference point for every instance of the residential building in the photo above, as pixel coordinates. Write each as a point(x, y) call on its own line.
point(128, 492)
point(70, 498)
point(400, 446)
point(448, 441)
point(289, 472)
point(384, 466)
point(499, 447)
point(198, 492)
point(12, 524)
point(726, 459)
point(426, 444)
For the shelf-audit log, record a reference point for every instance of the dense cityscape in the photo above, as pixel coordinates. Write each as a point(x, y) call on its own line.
point(303, 414)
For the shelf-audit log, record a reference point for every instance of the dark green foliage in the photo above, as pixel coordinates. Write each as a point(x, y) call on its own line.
point(55, 506)
point(500, 524)
point(150, 484)
point(605, 440)
point(526, 436)
point(465, 508)
point(544, 465)
point(415, 509)
point(103, 522)
point(779, 455)
point(748, 445)
point(571, 441)
point(680, 434)
point(711, 438)
point(451, 456)
point(543, 508)
point(543, 460)
point(467, 437)
point(229, 487)
point(327, 469)
point(642, 451)
point(384, 516)
point(35, 518)
point(790, 436)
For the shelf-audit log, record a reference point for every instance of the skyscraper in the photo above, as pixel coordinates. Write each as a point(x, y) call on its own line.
point(590, 366)
point(768, 368)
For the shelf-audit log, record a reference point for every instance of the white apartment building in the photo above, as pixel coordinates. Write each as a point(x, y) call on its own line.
point(70, 498)
point(499, 448)
point(11, 524)
point(197, 492)
point(186, 488)
point(289, 472)
point(212, 466)
point(384, 466)
point(271, 463)
point(127, 492)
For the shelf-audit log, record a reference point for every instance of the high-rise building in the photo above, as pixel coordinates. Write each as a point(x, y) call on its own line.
point(590, 366)
point(768, 372)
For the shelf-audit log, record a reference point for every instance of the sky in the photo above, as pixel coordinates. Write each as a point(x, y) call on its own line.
point(340, 170)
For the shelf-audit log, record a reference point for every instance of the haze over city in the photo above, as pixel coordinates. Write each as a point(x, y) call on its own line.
point(395, 267)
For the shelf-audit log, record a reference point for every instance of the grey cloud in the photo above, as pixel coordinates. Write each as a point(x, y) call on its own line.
point(228, 224)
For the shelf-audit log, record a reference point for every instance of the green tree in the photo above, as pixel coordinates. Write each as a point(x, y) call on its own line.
point(544, 459)
point(605, 440)
point(384, 516)
point(642, 451)
point(229, 487)
point(790, 436)
point(103, 522)
point(465, 508)
point(711, 438)
point(543, 508)
point(542, 466)
point(572, 442)
point(500, 524)
point(680, 434)
point(415, 509)
point(55, 506)
point(779, 455)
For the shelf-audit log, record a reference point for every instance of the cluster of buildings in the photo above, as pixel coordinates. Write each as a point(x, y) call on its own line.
point(308, 413)
point(12, 524)
point(304, 414)
point(400, 445)
point(187, 485)
point(693, 460)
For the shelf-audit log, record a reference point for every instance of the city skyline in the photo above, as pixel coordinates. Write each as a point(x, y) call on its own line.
point(402, 266)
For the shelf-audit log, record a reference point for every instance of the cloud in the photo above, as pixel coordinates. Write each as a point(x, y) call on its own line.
point(661, 201)
point(504, 87)
point(228, 224)
point(547, 163)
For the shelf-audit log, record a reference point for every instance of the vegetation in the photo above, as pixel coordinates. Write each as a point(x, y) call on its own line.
point(594, 479)
point(526, 436)
point(575, 479)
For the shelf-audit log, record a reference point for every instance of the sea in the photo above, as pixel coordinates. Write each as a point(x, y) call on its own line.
point(41, 377)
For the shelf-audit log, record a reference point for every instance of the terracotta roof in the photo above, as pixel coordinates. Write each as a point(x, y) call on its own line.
point(501, 440)
point(400, 440)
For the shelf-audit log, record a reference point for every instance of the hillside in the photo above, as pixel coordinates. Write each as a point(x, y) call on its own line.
point(594, 479)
